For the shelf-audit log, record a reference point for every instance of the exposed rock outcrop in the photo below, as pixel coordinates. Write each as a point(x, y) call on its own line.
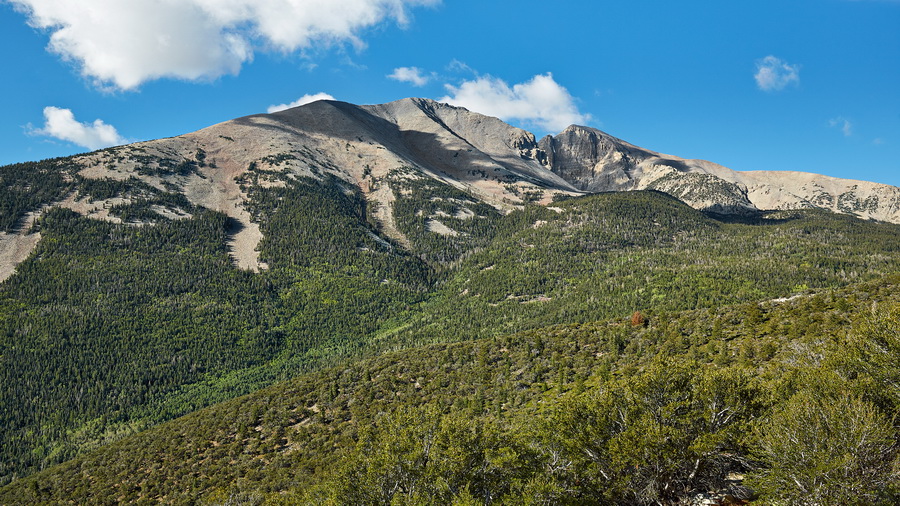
point(594, 161)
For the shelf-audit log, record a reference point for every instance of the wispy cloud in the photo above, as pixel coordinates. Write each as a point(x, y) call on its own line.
point(122, 44)
point(61, 124)
point(305, 99)
point(411, 75)
point(459, 66)
point(774, 74)
point(843, 124)
point(540, 102)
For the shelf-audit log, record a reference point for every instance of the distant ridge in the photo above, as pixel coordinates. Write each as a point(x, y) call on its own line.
point(594, 161)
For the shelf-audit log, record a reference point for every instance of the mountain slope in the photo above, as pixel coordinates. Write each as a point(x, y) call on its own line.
point(497, 164)
point(508, 416)
point(110, 328)
point(149, 280)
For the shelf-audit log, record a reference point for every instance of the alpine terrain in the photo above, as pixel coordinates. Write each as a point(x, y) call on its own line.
point(495, 163)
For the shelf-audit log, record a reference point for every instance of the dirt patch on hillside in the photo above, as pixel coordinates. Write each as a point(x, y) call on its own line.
point(382, 200)
point(97, 209)
point(439, 228)
point(219, 191)
point(15, 247)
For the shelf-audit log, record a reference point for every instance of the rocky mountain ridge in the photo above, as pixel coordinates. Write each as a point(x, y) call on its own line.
point(594, 161)
point(490, 160)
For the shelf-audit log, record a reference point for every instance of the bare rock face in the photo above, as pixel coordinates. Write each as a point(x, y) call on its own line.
point(593, 161)
point(481, 151)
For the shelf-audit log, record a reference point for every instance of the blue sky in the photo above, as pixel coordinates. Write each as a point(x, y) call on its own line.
point(810, 85)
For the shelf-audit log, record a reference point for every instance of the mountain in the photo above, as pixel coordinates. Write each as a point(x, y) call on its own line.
point(144, 282)
point(593, 161)
point(495, 163)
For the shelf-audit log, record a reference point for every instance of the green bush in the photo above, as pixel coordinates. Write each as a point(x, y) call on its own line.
point(834, 449)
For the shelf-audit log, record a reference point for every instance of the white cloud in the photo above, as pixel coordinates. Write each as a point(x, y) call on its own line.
point(842, 123)
point(122, 44)
point(459, 66)
point(305, 99)
point(61, 124)
point(541, 102)
point(411, 75)
point(773, 74)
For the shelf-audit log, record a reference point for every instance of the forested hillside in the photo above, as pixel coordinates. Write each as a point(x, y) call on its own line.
point(133, 313)
point(109, 328)
point(789, 401)
point(611, 254)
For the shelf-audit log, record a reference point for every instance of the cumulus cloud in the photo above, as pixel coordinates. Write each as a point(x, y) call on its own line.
point(773, 74)
point(123, 44)
point(61, 124)
point(844, 124)
point(541, 102)
point(305, 99)
point(411, 75)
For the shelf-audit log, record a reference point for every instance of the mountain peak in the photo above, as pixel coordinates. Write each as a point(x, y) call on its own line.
point(491, 161)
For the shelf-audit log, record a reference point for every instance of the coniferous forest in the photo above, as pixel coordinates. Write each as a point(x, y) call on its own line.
point(617, 348)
